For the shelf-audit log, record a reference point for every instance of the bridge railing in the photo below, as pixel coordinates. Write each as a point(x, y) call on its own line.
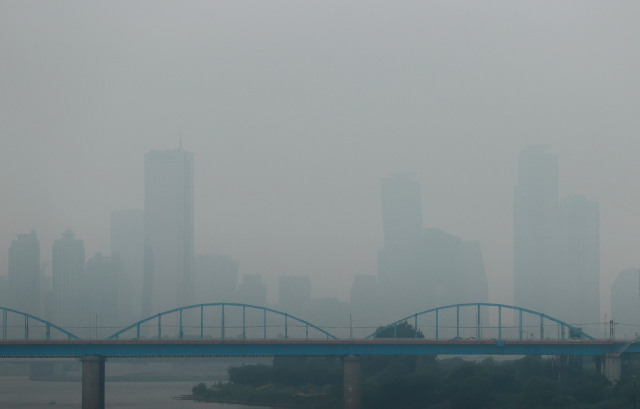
point(473, 325)
point(202, 321)
point(19, 325)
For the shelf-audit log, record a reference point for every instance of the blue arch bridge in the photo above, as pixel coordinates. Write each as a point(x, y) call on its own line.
point(249, 330)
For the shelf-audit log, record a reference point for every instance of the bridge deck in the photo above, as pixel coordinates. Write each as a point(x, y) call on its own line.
point(55, 349)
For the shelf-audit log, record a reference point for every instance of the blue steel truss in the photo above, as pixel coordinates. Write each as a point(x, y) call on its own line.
point(479, 327)
point(222, 304)
point(28, 317)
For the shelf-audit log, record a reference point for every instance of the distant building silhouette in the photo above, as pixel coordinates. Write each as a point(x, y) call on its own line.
point(252, 290)
point(454, 270)
point(147, 279)
point(24, 274)
point(168, 221)
point(422, 268)
point(401, 211)
point(127, 244)
point(215, 278)
point(399, 260)
point(365, 300)
point(108, 290)
point(580, 262)
point(294, 293)
point(69, 282)
point(535, 232)
point(5, 291)
point(556, 244)
point(625, 303)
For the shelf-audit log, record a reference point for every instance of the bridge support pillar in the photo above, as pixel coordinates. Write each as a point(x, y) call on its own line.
point(93, 382)
point(612, 367)
point(351, 382)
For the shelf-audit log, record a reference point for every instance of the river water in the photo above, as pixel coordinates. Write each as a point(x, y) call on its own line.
point(21, 393)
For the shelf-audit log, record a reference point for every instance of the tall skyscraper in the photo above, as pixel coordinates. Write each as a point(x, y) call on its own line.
point(127, 244)
point(453, 270)
point(108, 290)
point(535, 232)
point(398, 261)
point(252, 290)
point(556, 244)
point(365, 299)
point(580, 262)
point(422, 268)
point(25, 274)
point(168, 227)
point(69, 284)
point(401, 211)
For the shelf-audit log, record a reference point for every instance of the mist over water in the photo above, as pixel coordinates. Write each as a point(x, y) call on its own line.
point(20, 393)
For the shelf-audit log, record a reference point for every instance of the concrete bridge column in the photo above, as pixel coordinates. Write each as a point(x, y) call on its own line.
point(612, 367)
point(351, 382)
point(93, 382)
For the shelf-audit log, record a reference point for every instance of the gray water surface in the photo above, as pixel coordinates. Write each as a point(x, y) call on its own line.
point(21, 393)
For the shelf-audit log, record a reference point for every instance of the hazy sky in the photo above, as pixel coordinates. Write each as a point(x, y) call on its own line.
point(295, 109)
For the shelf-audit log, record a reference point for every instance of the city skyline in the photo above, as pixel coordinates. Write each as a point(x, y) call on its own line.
point(294, 113)
point(134, 214)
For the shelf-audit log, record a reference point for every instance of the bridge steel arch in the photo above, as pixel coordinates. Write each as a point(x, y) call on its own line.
point(27, 317)
point(221, 304)
point(479, 328)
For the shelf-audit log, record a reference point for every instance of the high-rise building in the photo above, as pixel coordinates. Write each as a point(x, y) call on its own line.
point(24, 274)
point(453, 271)
point(294, 293)
point(399, 260)
point(5, 291)
point(215, 277)
point(535, 232)
point(625, 304)
point(127, 244)
point(580, 262)
point(68, 281)
point(556, 244)
point(365, 299)
point(401, 211)
point(252, 290)
point(168, 226)
point(108, 290)
point(147, 279)
point(422, 268)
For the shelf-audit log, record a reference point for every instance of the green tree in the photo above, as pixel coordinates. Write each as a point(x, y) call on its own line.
point(402, 330)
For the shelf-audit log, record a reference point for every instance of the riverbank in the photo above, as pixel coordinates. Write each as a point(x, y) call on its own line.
point(424, 382)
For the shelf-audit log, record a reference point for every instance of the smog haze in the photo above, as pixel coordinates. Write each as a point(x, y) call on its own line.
point(295, 110)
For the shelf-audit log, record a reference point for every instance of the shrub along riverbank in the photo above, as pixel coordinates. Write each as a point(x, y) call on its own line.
point(409, 382)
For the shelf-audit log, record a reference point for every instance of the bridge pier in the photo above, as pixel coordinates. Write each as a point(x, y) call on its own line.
point(93, 382)
point(612, 367)
point(351, 382)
